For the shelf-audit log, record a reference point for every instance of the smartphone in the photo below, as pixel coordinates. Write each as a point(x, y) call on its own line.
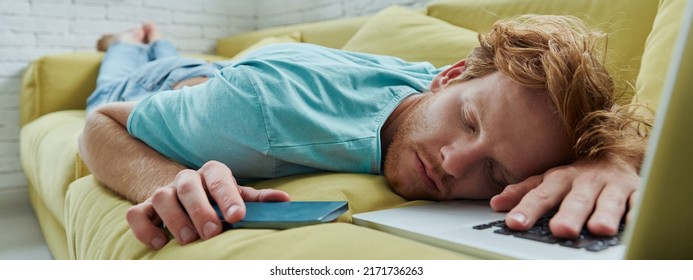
point(284, 215)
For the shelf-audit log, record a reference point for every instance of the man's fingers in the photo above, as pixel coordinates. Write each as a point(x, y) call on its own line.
point(185, 208)
point(610, 209)
point(166, 204)
point(265, 195)
point(224, 190)
point(193, 197)
point(538, 201)
point(575, 209)
point(608, 213)
point(144, 222)
point(512, 194)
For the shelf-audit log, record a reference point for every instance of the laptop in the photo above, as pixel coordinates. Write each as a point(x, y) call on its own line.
point(662, 229)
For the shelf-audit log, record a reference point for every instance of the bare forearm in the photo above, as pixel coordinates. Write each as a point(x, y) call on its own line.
point(124, 164)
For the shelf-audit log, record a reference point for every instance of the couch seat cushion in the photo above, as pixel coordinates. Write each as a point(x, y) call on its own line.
point(48, 153)
point(96, 227)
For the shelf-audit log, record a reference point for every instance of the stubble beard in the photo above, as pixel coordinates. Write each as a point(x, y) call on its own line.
point(403, 143)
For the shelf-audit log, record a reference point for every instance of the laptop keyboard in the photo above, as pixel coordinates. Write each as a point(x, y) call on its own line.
point(541, 233)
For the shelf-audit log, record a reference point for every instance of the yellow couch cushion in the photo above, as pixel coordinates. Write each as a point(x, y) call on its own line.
point(48, 147)
point(294, 37)
point(627, 23)
point(331, 33)
point(51, 226)
point(658, 50)
point(413, 36)
point(96, 227)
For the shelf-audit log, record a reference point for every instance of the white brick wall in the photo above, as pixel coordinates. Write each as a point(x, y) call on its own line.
point(30, 29)
point(281, 12)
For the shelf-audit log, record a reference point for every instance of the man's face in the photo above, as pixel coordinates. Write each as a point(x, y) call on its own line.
point(472, 139)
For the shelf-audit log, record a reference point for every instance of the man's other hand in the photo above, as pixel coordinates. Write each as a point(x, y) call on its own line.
point(184, 206)
point(592, 193)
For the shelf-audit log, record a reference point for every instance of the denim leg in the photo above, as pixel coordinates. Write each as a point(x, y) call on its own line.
point(131, 72)
point(162, 48)
point(120, 61)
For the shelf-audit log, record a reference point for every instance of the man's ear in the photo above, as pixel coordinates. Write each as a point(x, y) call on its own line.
point(448, 74)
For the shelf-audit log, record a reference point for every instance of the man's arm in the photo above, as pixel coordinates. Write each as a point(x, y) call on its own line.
point(165, 191)
point(124, 164)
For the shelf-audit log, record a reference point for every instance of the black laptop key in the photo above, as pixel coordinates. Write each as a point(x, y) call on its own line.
point(546, 238)
point(612, 241)
point(580, 242)
point(540, 232)
point(600, 245)
point(482, 226)
point(504, 231)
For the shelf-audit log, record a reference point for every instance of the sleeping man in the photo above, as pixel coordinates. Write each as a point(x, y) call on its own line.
point(527, 120)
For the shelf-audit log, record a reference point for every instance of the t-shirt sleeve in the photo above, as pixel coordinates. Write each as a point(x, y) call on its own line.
point(217, 120)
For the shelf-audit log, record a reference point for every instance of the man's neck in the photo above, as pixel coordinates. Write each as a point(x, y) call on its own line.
point(396, 119)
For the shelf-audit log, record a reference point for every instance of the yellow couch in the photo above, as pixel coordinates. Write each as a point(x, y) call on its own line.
point(81, 219)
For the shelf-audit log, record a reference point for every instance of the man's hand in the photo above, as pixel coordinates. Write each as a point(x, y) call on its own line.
point(184, 206)
point(595, 193)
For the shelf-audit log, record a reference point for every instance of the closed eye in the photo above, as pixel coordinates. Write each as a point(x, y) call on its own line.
point(467, 118)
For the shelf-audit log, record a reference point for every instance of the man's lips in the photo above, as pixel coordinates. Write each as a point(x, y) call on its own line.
point(423, 173)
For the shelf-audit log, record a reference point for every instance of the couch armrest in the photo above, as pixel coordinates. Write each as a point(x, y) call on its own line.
point(58, 82)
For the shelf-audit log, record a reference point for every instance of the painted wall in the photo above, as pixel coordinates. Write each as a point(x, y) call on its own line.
point(30, 29)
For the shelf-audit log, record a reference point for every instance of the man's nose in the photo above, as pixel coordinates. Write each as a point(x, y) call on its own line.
point(459, 159)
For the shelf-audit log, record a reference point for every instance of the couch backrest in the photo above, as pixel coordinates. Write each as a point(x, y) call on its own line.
point(658, 51)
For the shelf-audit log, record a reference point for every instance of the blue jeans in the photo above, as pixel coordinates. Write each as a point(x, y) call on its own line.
point(130, 72)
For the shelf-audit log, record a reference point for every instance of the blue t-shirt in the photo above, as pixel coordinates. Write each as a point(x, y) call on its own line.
point(285, 109)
